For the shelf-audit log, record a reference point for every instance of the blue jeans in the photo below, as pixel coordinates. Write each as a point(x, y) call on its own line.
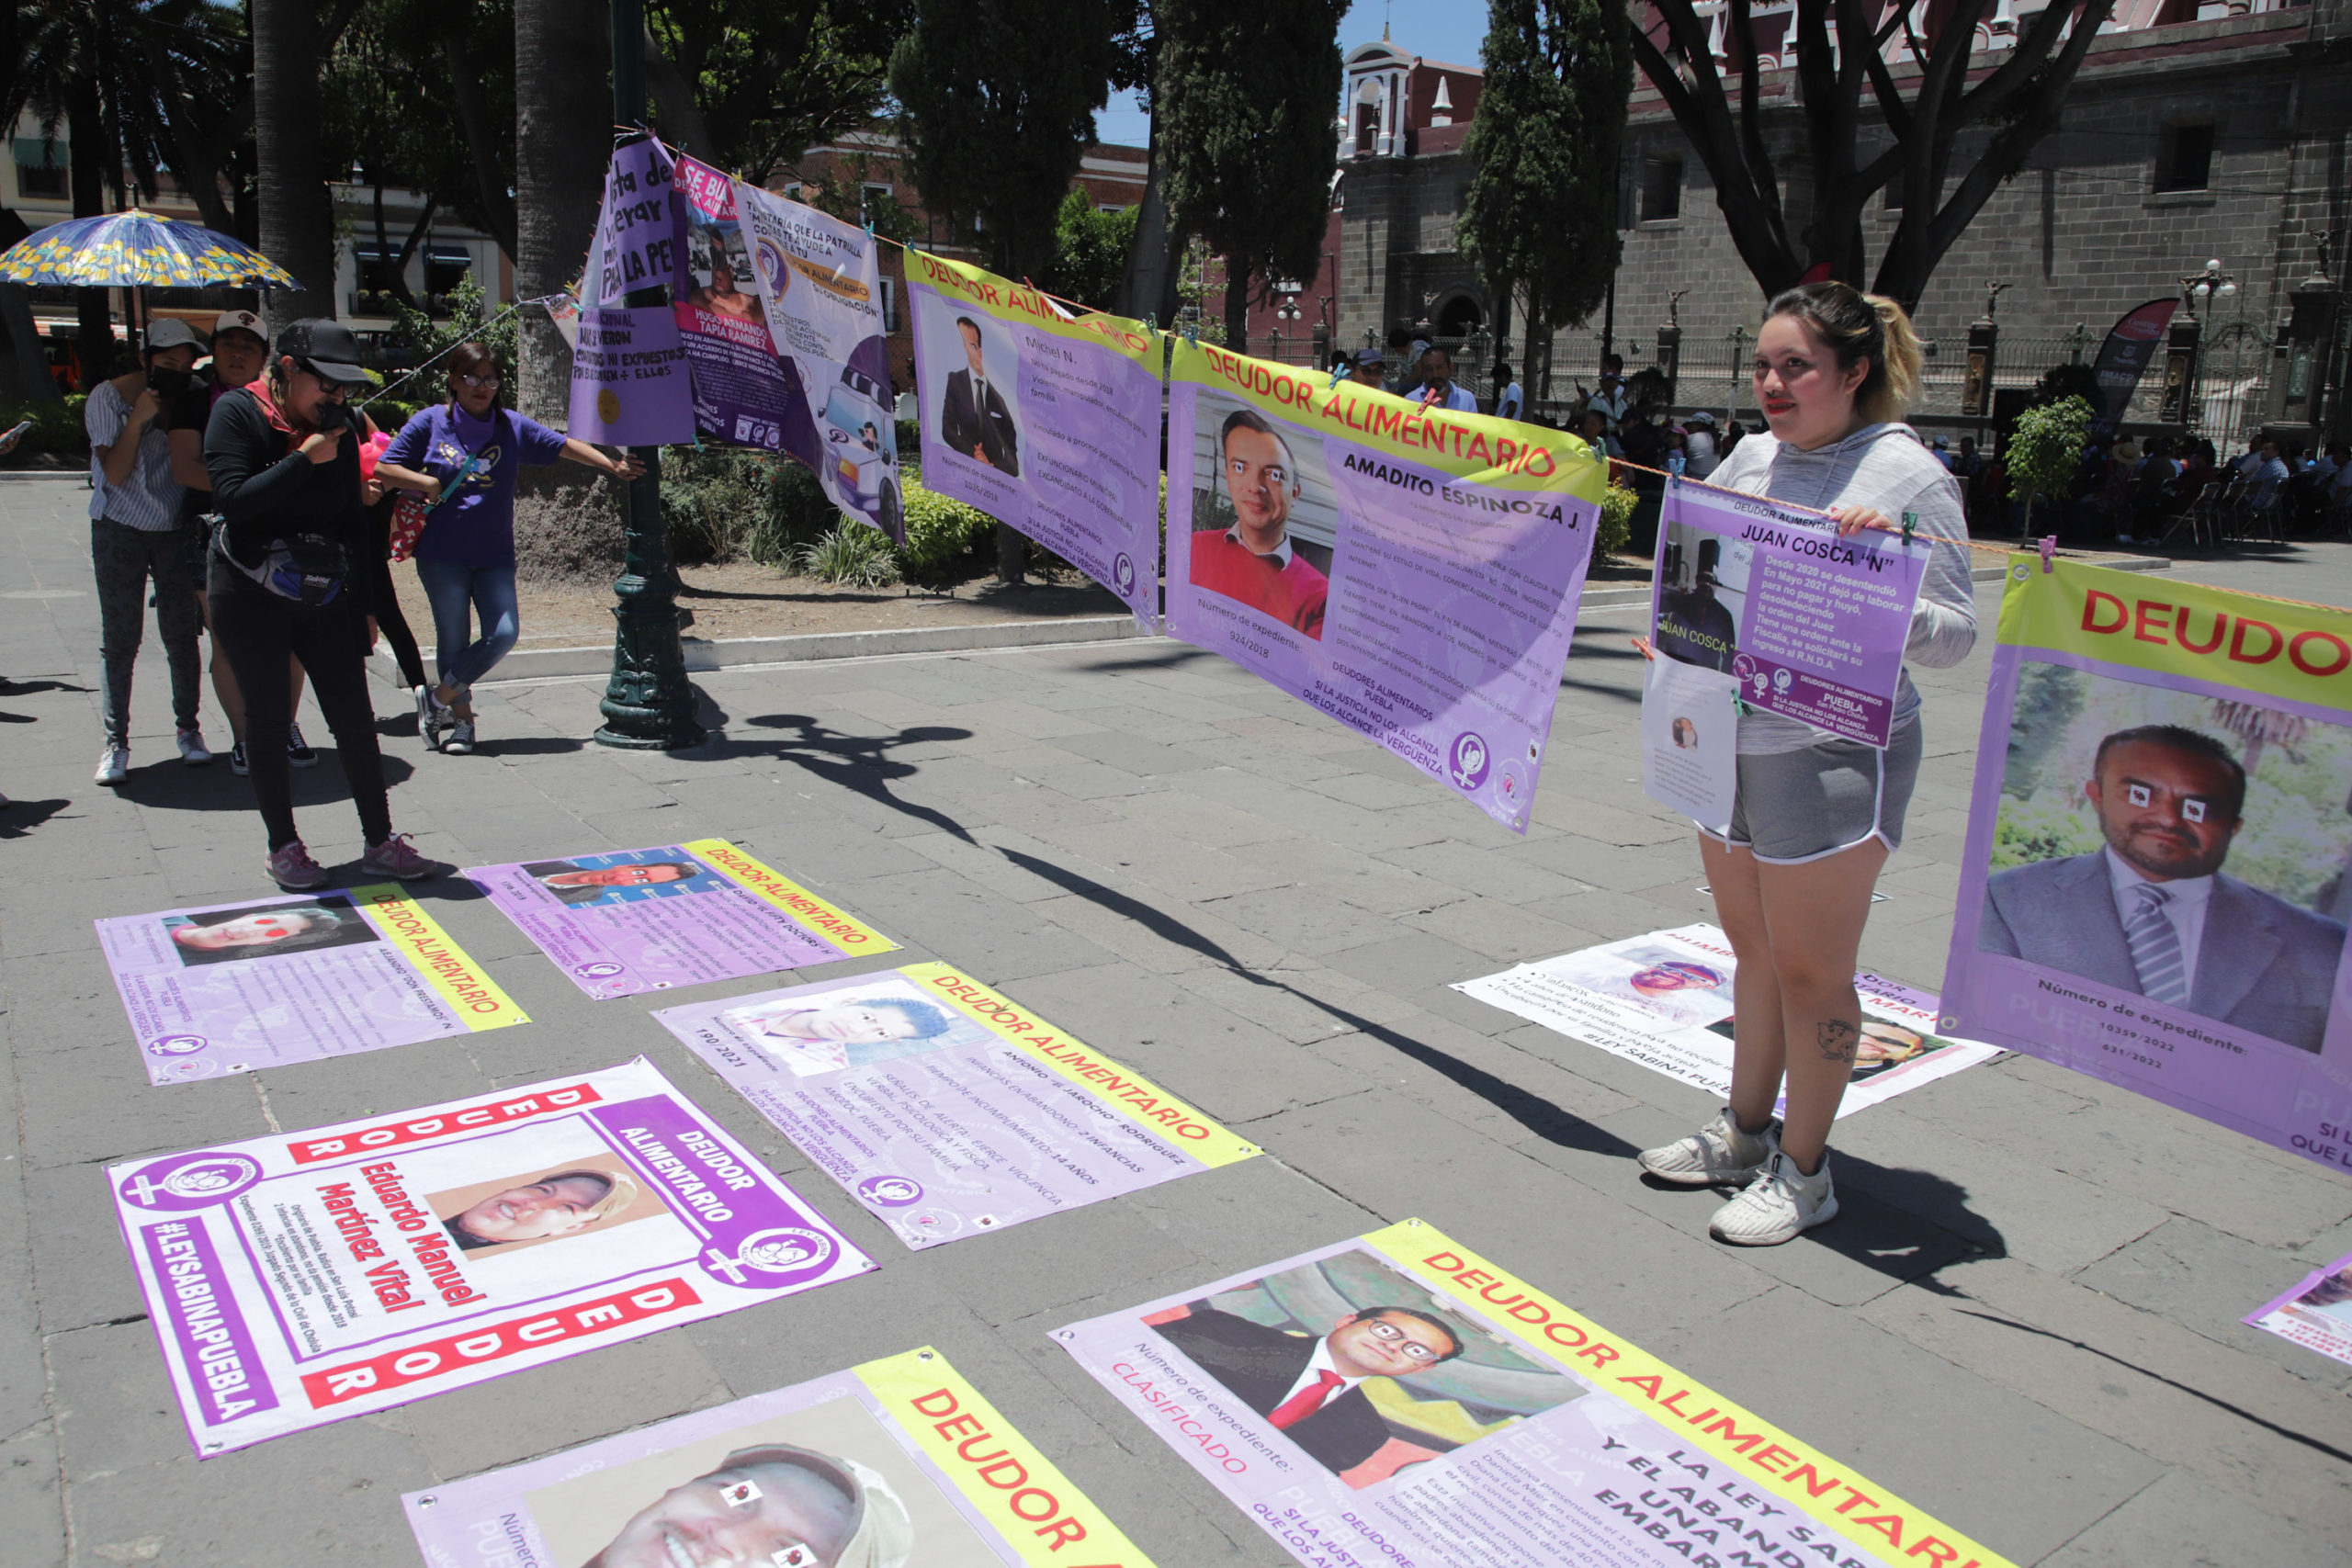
point(452, 587)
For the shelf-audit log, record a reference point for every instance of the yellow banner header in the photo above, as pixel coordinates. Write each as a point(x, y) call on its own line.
point(1133, 1097)
point(984, 292)
point(819, 919)
point(1787, 1468)
point(420, 940)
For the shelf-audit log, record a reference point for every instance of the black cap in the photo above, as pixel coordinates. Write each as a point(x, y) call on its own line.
point(326, 348)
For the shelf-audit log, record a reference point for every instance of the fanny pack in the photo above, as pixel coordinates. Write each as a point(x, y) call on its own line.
point(308, 568)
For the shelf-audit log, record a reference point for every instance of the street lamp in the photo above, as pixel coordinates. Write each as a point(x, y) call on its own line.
point(2182, 349)
point(647, 705)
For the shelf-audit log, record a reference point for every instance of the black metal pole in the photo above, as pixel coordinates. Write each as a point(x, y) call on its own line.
point(647, 705)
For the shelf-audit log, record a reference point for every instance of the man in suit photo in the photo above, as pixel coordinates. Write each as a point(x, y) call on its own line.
point(587, 884)
point(973, 418)
point(2152, 913)
point(1309, 1389)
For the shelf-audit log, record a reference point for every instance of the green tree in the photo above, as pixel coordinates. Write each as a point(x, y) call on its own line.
point(563, 116)
point(2046, 450)
point(999, 101)
point(1242, 103)
point(1540, 212)
point(1090, 251)
point(750, 85)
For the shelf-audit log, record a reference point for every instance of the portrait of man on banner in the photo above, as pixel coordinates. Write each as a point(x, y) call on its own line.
point(1360, 1366)
point(592, 880)
point(2189, 850)
point(1255, 559)
point(879, 1018)
point(974, 418)
point(534, 1206)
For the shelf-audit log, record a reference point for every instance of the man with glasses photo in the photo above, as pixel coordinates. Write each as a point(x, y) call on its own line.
point(1311, 1390)
point(1254, 561)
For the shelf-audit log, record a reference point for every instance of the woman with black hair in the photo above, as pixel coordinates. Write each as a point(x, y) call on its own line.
point(293, 570)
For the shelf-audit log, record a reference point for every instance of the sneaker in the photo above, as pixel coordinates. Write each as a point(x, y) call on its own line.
point(1717, 1155)
point(237, 760)
point(424, 695)
point(459, 741)
point(298, 751)
point(293, 869)
point(1781, 1203)
point(114, 765)
point(193, 750)
point(396, 857)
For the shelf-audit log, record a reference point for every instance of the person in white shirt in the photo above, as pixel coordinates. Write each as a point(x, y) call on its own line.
point(1509, 401)
point(1437, 389)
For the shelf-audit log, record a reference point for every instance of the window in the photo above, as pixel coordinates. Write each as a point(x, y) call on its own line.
point(1661, 188)
point(445, 267)
point(40, 169)
point(889, 305)
point(2185, 157)
point(792, 191)
point(875, 196)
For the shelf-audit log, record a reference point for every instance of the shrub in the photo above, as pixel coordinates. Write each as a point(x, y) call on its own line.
point(1617, 504)
point(57, 430)
point(2047, 449)
point(945, 537)
point(853, 554)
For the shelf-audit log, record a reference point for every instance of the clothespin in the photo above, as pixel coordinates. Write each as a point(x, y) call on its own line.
point(869, 228)
point(1192, 333)
point(1337, 376)
point(1151, 322)
point(2049, 547)
point(1910, 521)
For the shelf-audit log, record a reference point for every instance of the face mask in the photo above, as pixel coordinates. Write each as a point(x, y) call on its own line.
point(167, 382)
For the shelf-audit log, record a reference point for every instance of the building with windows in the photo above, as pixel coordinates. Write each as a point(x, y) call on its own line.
point(2197, 131)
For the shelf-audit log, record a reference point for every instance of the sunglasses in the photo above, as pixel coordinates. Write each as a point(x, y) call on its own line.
point(478, 383)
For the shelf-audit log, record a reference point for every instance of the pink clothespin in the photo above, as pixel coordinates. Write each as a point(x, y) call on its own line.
point(2049, 547)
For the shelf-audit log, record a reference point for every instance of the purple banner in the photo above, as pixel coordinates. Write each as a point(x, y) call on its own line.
point(629, 385)
point(944, 1108)
point(1045, 421)
point(741, 385)
point(297, 1278)
point(638, 921)
point(236, 987)
point(2156, 888)
point(2317, 1312)
point(1413, 573)
point(1811, 625)
point(637, 227)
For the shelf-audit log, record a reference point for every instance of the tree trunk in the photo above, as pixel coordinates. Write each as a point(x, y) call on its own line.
point(481, 145)
point(297, 220)
point(1149, 288)
point(25, 375)
point(85, 163)
point(562, 135)
point(1237, 305)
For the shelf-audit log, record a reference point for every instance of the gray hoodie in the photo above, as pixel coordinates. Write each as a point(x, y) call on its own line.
point(1883, 466)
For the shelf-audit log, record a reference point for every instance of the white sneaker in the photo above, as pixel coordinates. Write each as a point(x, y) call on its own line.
point(114, 764)
point(193, 750)
point(1780, 1205)
point(459, 741)
point(1717, 1155)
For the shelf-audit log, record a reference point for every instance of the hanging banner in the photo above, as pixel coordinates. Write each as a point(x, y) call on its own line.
point(1811, 625)
point(641, 920)
point(1400, 1399)
point(1690, 742)
point(2317, 1313)
point(1412, 573)
point(739, 389)
point(946, 1108)
point(629, 385)
point(2159, 861)
point(237, 988)
point(2123, 359)
point(1044, 421)
point(636, 245)
point(295, 1279)
point(896, 1463)
point(820, 285)
point(1665, 1001)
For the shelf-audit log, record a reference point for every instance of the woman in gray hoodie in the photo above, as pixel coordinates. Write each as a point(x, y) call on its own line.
point(1816, 816)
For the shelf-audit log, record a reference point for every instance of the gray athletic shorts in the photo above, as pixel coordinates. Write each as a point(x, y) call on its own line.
point(1800, 806)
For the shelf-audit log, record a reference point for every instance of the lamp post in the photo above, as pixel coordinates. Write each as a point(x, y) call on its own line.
point(647, 705)
point(2181, 405)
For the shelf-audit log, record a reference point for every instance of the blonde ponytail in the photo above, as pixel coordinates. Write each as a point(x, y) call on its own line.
point(1900, 356)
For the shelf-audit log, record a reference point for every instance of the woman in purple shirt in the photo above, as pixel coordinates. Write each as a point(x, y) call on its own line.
point(463, 456)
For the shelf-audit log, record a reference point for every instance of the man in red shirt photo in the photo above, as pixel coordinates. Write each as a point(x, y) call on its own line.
point(1254, 561)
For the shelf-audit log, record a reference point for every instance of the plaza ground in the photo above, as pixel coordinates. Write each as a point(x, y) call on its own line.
point(2025, 1321)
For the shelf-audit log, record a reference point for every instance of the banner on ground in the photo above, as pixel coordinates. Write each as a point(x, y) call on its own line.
point(1811, 625)
point(638, 921)
point(1044, 421)
point(819, 284)
point(237, 988)
point(636, 244)
point(944, 1107)
point(739, 381)
point(1397, 1398)
point(1412, 573)
point(297, 1278)
point(629, 383)
point(896, 1463)
point(2159, 864)
point(2317, 1313)
point(1665, 1001)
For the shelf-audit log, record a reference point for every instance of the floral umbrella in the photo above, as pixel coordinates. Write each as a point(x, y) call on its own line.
point(138, 250)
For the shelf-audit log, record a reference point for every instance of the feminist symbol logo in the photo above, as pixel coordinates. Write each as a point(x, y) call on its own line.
point(191, 1183)
point(1123, 573)
point(1469, 769)
point(892, 1191)
point(786, 1249)
point(179, 1044)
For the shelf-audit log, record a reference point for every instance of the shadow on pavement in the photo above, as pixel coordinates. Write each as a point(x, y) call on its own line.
point(20, 817)
point(26, 688)
point(174, 786)
point(531, 746)
point(859, 763)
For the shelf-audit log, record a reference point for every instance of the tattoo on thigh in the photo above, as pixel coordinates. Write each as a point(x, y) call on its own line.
point(1837, 1040)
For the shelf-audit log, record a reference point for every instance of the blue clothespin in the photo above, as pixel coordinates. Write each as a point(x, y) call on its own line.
point(1192, 333)
point(1337, 376)
point(2049, 547)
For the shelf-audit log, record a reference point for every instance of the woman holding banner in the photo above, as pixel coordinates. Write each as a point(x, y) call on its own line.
point(1816, 816)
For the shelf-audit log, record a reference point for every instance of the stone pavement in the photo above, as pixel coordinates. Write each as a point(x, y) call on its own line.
point(2025, 1321)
